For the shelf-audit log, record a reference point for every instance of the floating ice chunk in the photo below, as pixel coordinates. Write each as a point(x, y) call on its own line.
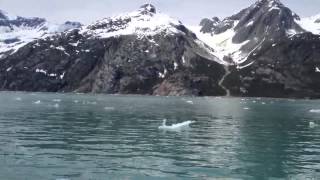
point(175, 127)
point(90, 102)
point(312, 125)
point(56, 105)
point(37, 102)
point(189, 102)
point(317, 69)
point(18, 99)
point(315, 111)
point(56, 100)
point(109, 108)
point(246, 108)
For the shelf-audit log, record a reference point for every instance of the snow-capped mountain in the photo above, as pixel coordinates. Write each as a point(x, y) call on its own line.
point(238, 36)
point(143, 22)
point(16, 31)
point(270, 50)
point(141, 52)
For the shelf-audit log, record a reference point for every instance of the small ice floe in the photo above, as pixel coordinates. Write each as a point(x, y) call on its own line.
point(91, 102)
point(76, 101)
point(56, 100)
point(246, 108)
point(312, 125)
point(263, 103)
point(109, 108)
point(254, 101)
point(56, 106)
point(189, 102)
point(315, 111)
point(18, 99)
point(175, 127)
point(37, 102)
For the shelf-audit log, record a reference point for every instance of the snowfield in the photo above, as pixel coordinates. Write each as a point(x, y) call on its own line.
point(310, 24)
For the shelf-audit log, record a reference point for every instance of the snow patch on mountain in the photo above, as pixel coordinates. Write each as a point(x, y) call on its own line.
point(222, 44)
point(310, 24)
point(18, 37)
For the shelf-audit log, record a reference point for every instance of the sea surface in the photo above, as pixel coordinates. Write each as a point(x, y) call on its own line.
point(97, 137)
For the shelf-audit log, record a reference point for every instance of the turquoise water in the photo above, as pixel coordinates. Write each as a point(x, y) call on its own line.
point(76, 136)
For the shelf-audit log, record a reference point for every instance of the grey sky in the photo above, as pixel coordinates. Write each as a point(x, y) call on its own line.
point(188, 11)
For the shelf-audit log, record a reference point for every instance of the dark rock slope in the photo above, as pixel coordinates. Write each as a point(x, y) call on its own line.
point(288, 68)
point(283, 59)
point(131, 54)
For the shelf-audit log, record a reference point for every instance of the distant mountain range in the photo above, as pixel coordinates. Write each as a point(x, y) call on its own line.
point(264, 50)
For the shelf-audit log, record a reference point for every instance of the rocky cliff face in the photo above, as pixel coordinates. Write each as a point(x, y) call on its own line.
point(138, 53)
point(287, 68)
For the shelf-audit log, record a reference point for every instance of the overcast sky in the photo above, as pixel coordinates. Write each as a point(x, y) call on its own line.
point(188, 11)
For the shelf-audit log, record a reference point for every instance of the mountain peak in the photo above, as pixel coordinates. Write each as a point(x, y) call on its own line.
point(142, 22)
point(269, 2)
point(147, 8)
point(2, 15)
point(270, 5)
point(6, 16)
